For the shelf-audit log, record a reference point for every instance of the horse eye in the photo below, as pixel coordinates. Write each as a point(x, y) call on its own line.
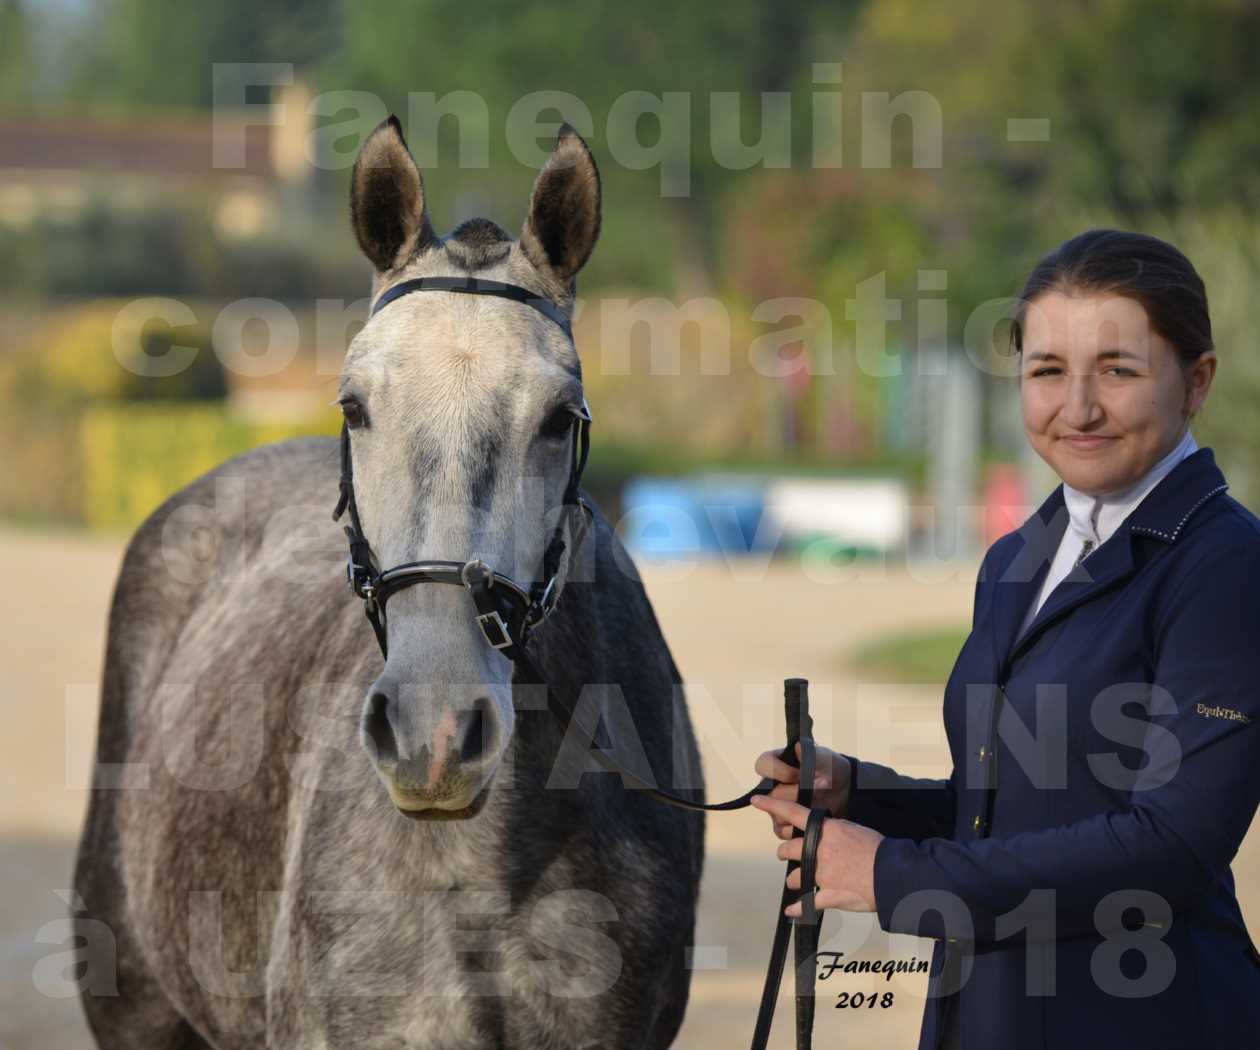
point(353, 413)
point(558, 423)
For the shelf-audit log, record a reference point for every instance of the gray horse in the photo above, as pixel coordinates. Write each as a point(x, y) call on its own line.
point(295, 844)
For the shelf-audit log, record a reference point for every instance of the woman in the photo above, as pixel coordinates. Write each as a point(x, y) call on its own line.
point(1102, 715)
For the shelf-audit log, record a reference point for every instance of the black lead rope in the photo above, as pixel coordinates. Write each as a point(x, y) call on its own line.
point(806, 928)
point(507, 613)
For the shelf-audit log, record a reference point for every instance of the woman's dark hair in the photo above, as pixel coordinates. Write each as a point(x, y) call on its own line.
point(1135, 265)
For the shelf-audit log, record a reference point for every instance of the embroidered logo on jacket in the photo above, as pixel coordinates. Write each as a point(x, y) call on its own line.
point(1220, 712)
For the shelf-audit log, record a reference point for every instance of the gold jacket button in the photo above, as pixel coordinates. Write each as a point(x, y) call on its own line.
point(977, 824)
point(983, 752)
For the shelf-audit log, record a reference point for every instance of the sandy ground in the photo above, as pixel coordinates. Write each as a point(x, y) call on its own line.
point(736, 631)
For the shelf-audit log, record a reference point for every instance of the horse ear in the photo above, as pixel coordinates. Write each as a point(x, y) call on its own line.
point(564, 208)
point(387, 207)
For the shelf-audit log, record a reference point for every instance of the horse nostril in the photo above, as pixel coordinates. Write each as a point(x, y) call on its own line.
point(480, 731)
point(379, 730)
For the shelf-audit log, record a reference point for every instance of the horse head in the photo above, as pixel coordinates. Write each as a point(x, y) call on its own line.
point(460, 415)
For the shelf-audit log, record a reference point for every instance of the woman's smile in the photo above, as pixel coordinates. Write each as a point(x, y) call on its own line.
point(1087, 442)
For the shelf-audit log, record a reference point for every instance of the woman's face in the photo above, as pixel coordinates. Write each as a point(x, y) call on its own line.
point(1104, 395)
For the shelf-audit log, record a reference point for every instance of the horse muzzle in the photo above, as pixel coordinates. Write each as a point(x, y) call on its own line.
point(436, 760)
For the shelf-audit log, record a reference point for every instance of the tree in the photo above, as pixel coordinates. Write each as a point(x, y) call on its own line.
point(17, 64)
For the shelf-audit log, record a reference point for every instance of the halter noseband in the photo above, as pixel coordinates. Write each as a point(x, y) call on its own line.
point(507, 612)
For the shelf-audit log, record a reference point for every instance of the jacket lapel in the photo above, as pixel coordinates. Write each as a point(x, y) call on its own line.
point(1019, 581)
point(1108, 564)
point(1161, 516)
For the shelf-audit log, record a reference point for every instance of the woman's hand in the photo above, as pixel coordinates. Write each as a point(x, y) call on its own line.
point(846, 858)
point(831, 782)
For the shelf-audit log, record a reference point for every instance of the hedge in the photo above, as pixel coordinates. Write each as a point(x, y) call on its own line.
point(134, 456)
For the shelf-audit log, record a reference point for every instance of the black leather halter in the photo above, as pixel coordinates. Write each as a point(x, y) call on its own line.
point(507, 614)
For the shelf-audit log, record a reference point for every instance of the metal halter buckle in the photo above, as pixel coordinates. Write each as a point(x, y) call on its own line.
point(494, 630)
point(360, 578)
point(547, 601)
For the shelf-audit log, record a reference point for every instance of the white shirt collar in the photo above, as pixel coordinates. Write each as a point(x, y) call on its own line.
point(1097, 517)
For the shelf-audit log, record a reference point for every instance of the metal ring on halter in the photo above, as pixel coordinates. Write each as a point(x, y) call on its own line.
point(546, 602)
point(476, 565)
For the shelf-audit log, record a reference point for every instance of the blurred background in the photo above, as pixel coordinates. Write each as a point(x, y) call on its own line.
point(791, 328)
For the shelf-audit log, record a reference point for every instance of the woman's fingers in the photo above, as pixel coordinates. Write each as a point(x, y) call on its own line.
point(782, 809)
point(788, 776)
point(785, 791)
point(846, 857)
point(769, 764)
point(793, 882)
point(842, 899)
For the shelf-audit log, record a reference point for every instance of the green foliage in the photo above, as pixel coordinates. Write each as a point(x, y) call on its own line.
point(17, 60)
point(920, 656)
point(90, 437)
point(1150, 104)
point(139, 54)
point(1226, 252)
point(90, 355)
point(171, 247)
point(135, 456)
point(142, 54)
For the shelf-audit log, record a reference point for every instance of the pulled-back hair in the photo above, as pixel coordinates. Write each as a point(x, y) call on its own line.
point(1135, 265)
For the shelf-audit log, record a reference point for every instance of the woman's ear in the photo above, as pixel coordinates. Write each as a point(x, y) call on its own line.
point(387, 206)
point(1198, 382)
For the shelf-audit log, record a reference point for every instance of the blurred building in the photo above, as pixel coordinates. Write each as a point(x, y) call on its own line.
point(55, 167)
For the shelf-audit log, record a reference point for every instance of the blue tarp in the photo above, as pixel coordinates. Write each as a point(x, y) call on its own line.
point(687, 517)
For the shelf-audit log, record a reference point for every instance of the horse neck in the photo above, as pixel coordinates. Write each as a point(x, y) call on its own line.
point(597, 626)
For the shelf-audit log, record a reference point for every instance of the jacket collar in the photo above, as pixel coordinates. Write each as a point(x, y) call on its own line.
point(1162, 515)
point(1096, 517)
point(1170, 504)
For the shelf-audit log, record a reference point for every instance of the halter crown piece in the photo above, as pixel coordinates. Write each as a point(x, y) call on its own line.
point(507, 613)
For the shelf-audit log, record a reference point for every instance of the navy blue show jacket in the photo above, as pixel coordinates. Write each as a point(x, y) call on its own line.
point(1075, 866)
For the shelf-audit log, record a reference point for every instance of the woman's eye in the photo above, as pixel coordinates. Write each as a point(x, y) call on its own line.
point(1117, 369)
point(558, 424)
point(353, 413)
